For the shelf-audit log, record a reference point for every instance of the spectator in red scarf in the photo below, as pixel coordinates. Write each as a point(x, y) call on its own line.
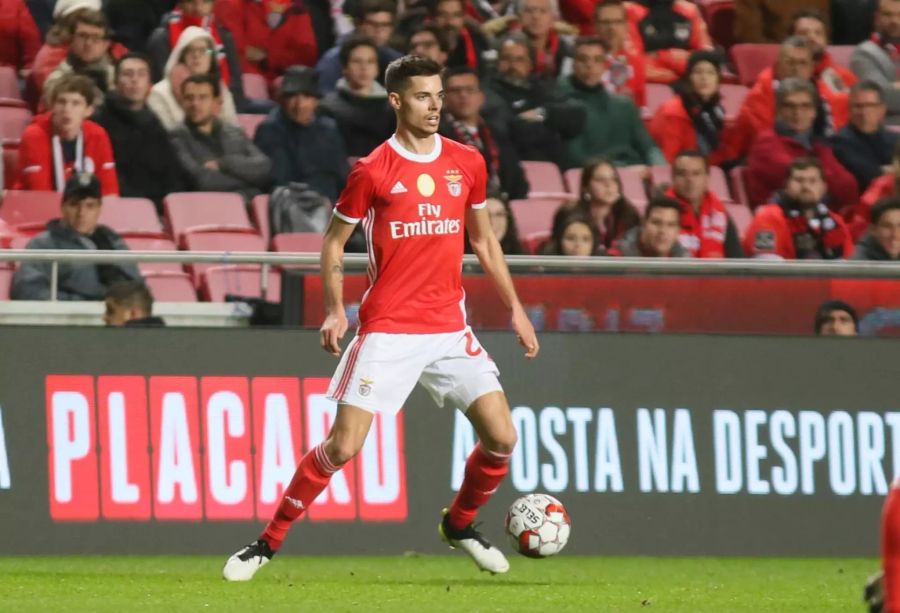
point(600, 196)
point(707, 231)
point(19, 36)
point(811, 26)
point(467, 42)
point(551, 39)
point(878, 59)
point(626, 74)
point(798, 224)
point(666, 31)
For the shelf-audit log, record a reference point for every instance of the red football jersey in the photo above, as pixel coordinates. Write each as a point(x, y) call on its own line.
point(413, 209)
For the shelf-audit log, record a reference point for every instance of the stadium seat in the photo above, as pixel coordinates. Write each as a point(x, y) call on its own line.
point(750, 59)
point(16, 102)
point(131, 217)
point(732, 95)
point(249, 123)
point(29, 211)
point(657, 95)
point(10, 164)
point(255, 86)
point(13, 121)
point(544, 180)
point(9, 83)
point(841, 54)
point(220, 241)
point(6, 275)
point(572, 177)
point(240, 281)
point(143, 243)
point(739, 186)
point(206, 212)
point(534, 215)
point(298, 242)
point(633, 186)
point(259, 212)
point(719, 18)
point(741, 216)
point(170, 286)
point(718, 183)
point(533, 241)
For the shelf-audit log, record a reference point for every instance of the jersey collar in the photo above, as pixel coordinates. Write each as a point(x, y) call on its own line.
point(423, 158)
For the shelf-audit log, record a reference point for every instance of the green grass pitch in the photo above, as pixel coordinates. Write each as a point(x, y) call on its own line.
point(435, 583)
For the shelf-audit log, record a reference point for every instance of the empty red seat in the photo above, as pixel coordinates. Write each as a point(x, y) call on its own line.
point(259, 211)
point(220, 241)
point(244, 281)
point(10, 164)
point(719, 17)
point(255, 86)
point(572, 178)
point(633, 186)
point(732, 96)
point(9, 83)
point(206, 212)
point(741, 216)
point(20, 241)
point(6, 276)
point(131, 216)
point(739, 186)
point(750, 59)
point(249, 123)
point(544, 180)
point(534, 215)
point(298, 242)
point(147, 243)
point(171, 286)
point(13, 121)
point(29, 211)
point(718, 183)
point(657, 95)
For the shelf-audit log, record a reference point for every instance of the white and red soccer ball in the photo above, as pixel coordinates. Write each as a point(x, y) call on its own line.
point(538, 525)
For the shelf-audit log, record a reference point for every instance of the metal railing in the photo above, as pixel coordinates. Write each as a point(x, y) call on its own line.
point(516, 263)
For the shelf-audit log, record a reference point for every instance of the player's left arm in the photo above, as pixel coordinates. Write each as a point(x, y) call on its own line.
point(486, 246)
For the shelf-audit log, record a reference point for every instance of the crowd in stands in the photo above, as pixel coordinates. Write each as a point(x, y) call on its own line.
point(638, 121)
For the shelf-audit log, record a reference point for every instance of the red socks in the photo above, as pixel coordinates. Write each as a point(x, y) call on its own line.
point(484, 472)
point(312, 476)
point(890, 548)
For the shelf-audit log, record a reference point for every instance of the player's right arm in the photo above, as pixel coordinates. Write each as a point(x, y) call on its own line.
point(332, 270)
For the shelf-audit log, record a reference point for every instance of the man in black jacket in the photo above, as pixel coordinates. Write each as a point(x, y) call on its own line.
point(141, 146)
point(540, 120)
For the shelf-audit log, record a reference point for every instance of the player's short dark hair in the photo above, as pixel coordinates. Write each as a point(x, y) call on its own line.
point(891, 203)
point(203, 79)
point(456, 71)
point(131, 55)
point(74, 83)
point(830, 306)
point(663, 202)
point(693, 154)
point(439, 35)
point(401, 70)
point(353, 43)
point(585, 41)
point(805, 163)
point(132, 294)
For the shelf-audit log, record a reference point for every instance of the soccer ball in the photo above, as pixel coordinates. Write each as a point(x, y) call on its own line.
point(538, 525)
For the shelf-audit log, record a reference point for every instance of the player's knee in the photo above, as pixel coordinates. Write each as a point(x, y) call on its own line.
point(503, 441)
point(341, 449)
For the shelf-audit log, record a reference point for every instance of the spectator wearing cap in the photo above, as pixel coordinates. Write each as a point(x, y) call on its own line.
point(216, 156)
point(64, 141)
point(693, 119)
point(359, 105)
point(89, 55)
point(78, 228)
point(836, 318)
point(129, 304)
point(770, 21)
point(657, 236)
point(304, 147)
point(882, 242)
point(19, 36)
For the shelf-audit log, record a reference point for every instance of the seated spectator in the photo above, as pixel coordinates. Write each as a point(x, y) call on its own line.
point(770, 21)
point(864, 146)
point(793, 137)
point(707, 230)
point(192, 55)
point(129, 304)
point(20, 39)
point(272, 35)
point(140, 143)
point(694, 118)
point(462, 121)
point(877, 59)
point(64, 141)
point(882, 242)
point(851, 20)
point(626, 73)
point(550, 39)
point(216, 156)
point(360, 104)
point(657, 236)
point(89, 55)
point(468, 44)
point(303, 146)
point(613, 127)
point(811, 25)
point(836, 318)
point(667, 32)
point(798, 224)
point(600, 195)
point(431, 42)
point(503, 224)
point(77, 228)
point(375, 20)
point(539, 119)
point(574, 233)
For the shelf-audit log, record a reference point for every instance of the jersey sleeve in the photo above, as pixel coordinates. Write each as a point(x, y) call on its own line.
point(356, 198)
point(478, 193)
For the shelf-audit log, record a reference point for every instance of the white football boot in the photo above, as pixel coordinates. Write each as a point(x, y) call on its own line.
point(486, 556)
point(243, 565)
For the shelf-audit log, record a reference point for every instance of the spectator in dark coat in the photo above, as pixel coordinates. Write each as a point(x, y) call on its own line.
point(883, 239)
point(140, 144)
point(77, 228)
point(216, 156)
point(864, 146)
point(304, 147)
point(359, 105)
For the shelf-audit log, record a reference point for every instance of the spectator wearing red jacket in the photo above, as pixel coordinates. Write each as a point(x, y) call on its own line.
point(270, 34)
point(694, 118)
point(19, 36)
point(706, 229)
point(811, 26)
point(63, 141)
point(798, 224)
point(667, 31)
point(626, 74)
point(794, 137)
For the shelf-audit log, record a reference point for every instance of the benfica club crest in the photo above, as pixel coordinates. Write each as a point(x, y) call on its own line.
point(454, 183)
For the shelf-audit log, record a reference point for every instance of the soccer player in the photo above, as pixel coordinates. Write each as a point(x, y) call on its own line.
point(415, 194)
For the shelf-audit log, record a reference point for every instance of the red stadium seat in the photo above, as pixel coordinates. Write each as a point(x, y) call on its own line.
point(29, 211)
point(741, 216)
point(9, 83)
point(171, 287)
point(6, 275)
point(534, 215)
point(533, 241)
point(572, 178)
point(13, 121)
point(206, 212)
point(750, 59)
point(739, 186)
point(732, 96)
point(259, 211)
point(255, 86)
point(718, 183)
point(249, 123)
point(143, 243)
point(240, 281)
point(633, 186)
point(657, 95)
point(719, 17)
point(10, 164)
point(298, 242)
point(544, 180)
point(841, 54)
point(131, 216)
point(220, 241)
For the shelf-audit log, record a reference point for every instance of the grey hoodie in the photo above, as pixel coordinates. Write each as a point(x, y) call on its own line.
point(868, 248)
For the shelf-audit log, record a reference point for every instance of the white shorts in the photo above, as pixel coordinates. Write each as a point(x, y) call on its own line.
point(379, 370)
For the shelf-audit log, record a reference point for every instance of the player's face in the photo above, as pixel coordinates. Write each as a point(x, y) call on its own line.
point(577, 239)
point(660, 231)
point(887, 232)
point(838, 323)
point(419, 106)
point(806, 186)
point(690, 179)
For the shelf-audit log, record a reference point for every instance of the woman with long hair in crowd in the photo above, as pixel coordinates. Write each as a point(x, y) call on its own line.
point(574, 233)
point(601, 197)
point(503, 224)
